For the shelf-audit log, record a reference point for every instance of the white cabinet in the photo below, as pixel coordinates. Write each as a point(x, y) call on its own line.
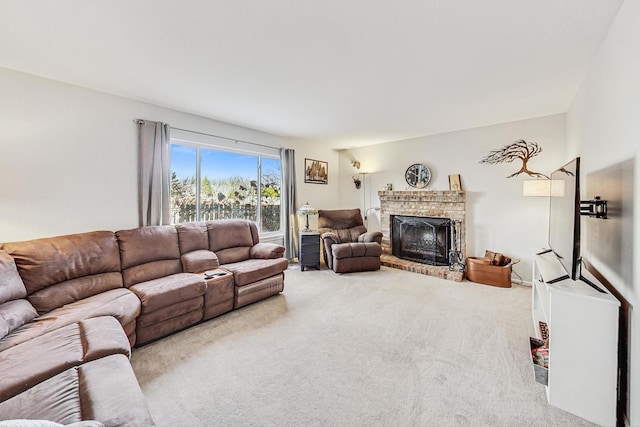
point(583, 341)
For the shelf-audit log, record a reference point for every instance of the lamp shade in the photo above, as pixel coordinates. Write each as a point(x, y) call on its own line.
point(536, 188)
point(307, 209)
point(543, 188)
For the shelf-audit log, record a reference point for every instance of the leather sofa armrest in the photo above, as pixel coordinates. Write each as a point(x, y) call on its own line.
point(370, 236)
point(199, 261)
point(330, 238)
point(264, 250)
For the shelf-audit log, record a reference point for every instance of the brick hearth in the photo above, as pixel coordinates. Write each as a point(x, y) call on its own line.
point(436, 204)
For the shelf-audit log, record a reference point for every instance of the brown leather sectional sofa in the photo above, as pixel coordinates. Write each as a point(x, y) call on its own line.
point(71, 308)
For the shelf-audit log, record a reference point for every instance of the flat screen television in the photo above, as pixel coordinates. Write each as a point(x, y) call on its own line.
point(564, 217)
point(564, 220)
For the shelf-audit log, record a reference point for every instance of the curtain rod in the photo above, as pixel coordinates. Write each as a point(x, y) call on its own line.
point(141, 121)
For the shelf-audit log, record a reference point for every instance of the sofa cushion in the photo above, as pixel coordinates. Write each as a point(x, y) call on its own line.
point(34, 361)
point(150, 271)
point(120, 303)
point(356, 264)
point(90, 260)
point(46, 423)
point(52, 297)
point(54, 399)
point(11, 286)
point(15, 311)
point(147, 244)
point(199, 261)
point(168, 290)
point(192, 236)
point(346, 235)
point(109, 392)
point(266, 251)
point(351, 250)
point(231, 255)
point(14, 314)
point(339, 219)
point(148, 253)
point(252, 270)
point(231, 239)
point(105, 389)
point(48, 261)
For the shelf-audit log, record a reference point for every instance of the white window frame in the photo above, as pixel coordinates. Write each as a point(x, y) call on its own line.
point(201, 141)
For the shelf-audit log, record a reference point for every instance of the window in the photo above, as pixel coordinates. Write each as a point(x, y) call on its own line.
point(217, 183)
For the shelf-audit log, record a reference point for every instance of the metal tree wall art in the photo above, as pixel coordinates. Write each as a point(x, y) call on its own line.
point(520, 149)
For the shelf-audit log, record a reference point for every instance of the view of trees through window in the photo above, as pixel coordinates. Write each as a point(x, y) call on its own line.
point(211, 184)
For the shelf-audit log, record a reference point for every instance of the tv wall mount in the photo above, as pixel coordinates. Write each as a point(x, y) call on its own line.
point(596, 208)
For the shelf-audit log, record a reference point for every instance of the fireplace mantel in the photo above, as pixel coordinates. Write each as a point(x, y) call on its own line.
point(423, 203)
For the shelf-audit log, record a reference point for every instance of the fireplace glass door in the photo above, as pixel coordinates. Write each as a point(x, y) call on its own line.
point(421, 239)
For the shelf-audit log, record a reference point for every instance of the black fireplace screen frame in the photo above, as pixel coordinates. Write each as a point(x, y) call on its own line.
point(427, 240)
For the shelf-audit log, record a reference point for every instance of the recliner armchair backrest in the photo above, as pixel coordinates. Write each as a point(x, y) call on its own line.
point(347, 224)
point(195, 255)
point(232, 239)
point(192, 236)
point(149, 253)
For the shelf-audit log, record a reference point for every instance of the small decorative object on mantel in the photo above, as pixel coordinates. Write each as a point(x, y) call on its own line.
point(454, 183)
point(520, 149)
point(417, 175)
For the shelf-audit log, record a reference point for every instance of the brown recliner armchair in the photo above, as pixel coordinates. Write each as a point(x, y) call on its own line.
point(348, 246)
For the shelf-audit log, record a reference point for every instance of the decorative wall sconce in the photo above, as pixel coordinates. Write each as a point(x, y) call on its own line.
point(355, 164)
point(596, 207)
point(357, 181)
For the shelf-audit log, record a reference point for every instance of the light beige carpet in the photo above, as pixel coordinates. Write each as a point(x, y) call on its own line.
point(383, 348)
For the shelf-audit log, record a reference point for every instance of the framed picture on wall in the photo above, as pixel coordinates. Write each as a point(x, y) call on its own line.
point(316, 171)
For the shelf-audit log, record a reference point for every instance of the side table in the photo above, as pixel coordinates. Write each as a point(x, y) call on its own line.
point(309, 255)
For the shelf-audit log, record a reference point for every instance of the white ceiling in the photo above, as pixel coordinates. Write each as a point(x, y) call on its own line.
point(344, 72)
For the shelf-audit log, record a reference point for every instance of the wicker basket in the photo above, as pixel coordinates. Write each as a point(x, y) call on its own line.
point(480, 270)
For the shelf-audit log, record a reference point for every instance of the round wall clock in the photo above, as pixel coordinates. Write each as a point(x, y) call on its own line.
point(417, 175)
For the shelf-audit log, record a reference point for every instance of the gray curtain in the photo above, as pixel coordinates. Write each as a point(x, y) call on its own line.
point(289, 202)
point(153, 174)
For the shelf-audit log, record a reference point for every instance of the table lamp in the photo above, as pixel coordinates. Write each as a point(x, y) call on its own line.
point(307, 210)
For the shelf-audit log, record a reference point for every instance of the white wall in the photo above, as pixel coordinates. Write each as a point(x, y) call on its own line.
point(499, 218)
point(603, 128)
point(68, 156)
point(320, 196)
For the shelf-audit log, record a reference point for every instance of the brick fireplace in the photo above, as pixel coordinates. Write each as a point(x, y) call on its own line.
point(421, 203)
